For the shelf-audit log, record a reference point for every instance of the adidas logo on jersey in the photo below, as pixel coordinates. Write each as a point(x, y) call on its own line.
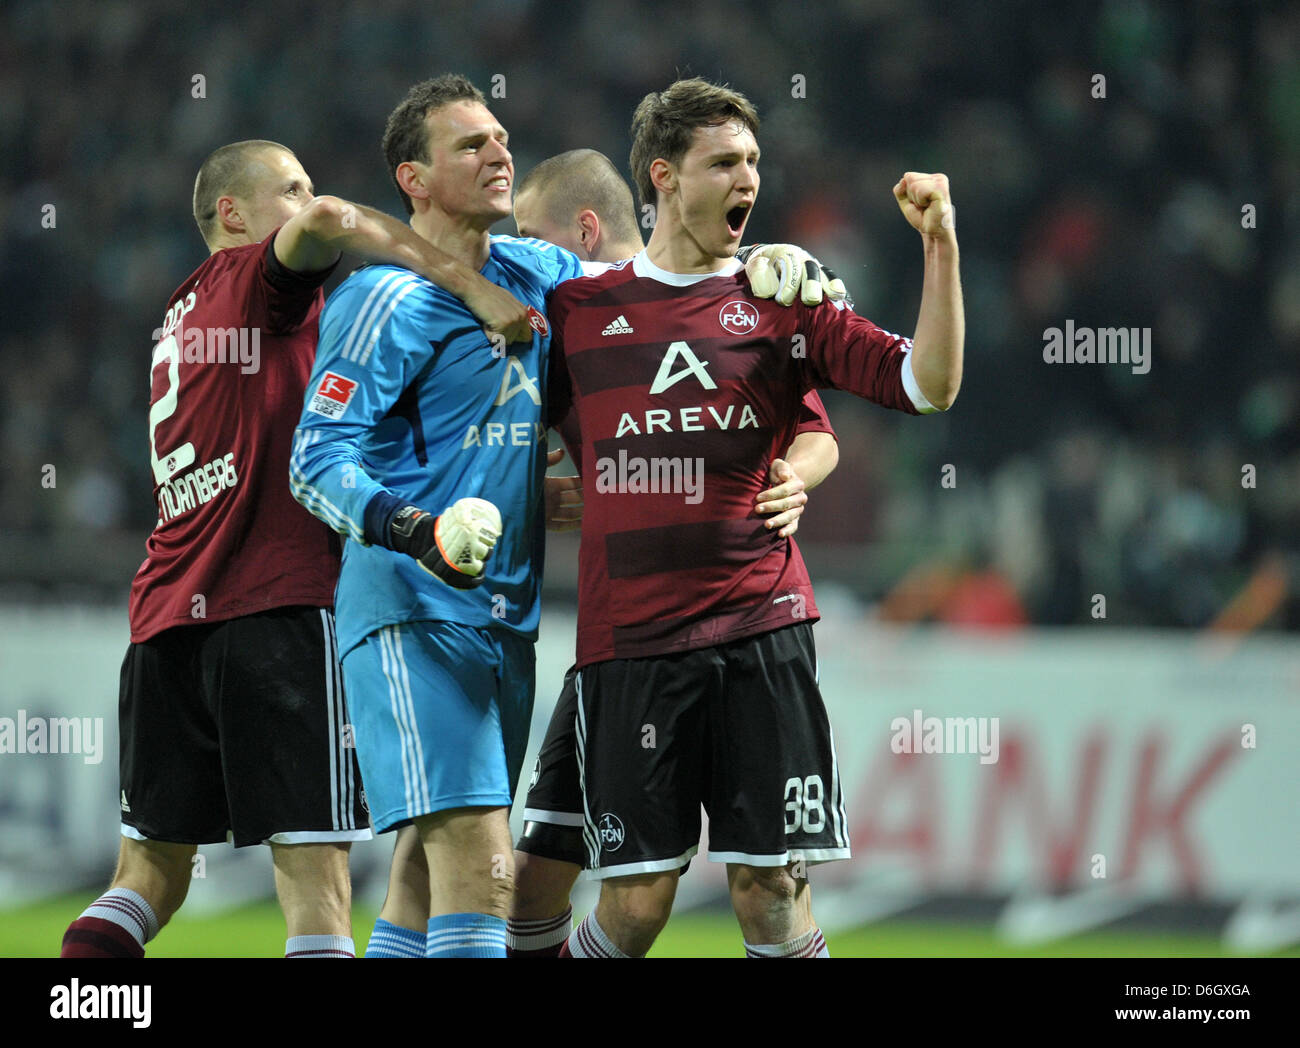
point(618, 327)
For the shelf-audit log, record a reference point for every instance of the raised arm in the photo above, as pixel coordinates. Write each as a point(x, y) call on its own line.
point(941, 324)
point(313, 239)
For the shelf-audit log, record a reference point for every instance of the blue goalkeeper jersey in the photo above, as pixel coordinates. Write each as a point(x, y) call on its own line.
point(409, 402)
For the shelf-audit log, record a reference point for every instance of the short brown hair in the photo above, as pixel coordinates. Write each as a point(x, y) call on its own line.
point(581, 179)
point(405, 136)
point(225, 173)
point(665, 122)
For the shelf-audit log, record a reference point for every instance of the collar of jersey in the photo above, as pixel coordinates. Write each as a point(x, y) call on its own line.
point(643, 267)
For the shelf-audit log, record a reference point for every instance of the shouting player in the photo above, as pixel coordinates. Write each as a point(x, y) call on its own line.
point(579, 201)
point(232, 712)
point(696, 669)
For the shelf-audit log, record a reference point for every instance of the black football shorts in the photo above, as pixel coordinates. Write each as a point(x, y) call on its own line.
point(553, 807)
point(739, 728)
point(553, 794)
point(239, 730)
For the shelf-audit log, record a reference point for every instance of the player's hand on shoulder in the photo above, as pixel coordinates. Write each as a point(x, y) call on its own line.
point(563, 497)
point(786, 271)
point(926, 203)
point(453, 546)
point(501, 313)
point(785, 499)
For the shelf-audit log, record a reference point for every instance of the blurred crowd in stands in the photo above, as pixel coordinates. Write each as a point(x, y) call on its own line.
point(1165, 195)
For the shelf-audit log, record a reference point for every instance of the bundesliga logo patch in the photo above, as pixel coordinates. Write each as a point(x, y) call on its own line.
point(332, 396)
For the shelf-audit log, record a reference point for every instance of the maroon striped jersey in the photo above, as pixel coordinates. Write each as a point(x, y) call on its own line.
point(685, 388)
point(812, 419)
point(230, 367)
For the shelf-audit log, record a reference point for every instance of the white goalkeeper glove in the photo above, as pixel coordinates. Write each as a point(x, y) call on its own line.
point(782, 271)
point(451, 547)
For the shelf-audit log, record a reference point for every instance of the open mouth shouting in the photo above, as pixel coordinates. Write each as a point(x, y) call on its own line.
point(736, 217)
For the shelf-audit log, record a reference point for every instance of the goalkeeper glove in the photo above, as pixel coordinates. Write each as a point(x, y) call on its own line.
point(451, 547)
point(782, 271)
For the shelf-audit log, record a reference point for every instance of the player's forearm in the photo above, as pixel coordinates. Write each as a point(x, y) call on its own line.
point(941, 324)
point(326, 478)
point(377, 237)
point(813, 456)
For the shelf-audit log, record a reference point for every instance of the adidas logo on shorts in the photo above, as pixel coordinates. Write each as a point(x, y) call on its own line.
point(618, 327)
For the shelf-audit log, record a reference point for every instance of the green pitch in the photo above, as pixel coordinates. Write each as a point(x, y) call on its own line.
point(258, 931)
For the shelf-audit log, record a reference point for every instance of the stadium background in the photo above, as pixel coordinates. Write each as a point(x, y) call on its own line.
point(968, 591)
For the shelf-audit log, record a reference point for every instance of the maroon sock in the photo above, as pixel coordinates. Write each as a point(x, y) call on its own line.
point(545, 951)
point(117, 924)
point(93, 937)
point(538, 938)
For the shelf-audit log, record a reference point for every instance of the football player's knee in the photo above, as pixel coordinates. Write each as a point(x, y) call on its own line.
point(323, 866)
point(542, 885)
point(160, 873)
point(764, 889)
point(333, 887)
point(313, 880)
point(645, 908)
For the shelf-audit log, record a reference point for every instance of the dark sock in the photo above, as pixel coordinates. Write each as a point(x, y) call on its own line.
point(117, 924)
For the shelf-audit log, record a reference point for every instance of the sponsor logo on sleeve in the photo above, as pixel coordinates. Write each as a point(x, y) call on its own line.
point(332, 396)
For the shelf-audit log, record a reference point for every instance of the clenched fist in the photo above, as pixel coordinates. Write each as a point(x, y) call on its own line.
point(926, 204)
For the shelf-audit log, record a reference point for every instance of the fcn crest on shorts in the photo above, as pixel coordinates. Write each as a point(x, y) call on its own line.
point(611, 832)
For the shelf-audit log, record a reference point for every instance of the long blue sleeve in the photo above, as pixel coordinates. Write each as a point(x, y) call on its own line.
point(373, 342)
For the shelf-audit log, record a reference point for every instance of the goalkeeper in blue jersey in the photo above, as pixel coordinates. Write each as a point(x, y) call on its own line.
point(423, 441)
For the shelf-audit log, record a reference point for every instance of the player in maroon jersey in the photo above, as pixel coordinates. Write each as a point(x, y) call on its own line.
point(579, 201)
point(697, 672)
point(233, 722)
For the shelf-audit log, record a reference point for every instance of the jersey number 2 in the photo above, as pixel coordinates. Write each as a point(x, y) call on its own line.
point(167, 464)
